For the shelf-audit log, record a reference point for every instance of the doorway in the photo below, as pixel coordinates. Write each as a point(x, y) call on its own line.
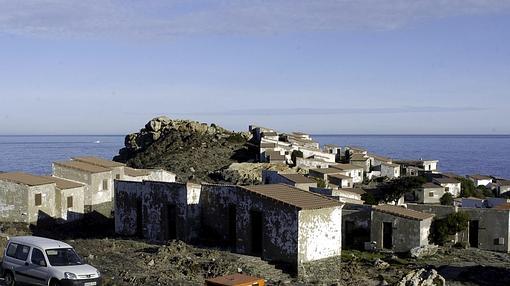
point(349, 234)
point(473, 233)
point(171, 222)
point(139, 218)
point(387, 235)
point(257, 232)
point(232, 226)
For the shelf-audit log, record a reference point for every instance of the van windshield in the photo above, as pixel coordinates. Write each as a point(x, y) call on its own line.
point(63, 257)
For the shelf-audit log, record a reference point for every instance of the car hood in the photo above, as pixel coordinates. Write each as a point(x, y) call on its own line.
point(82, 269)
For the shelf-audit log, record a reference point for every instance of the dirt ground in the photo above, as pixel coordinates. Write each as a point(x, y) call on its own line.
point(133, 262)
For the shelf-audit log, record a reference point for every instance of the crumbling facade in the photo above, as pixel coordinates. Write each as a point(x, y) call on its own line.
point(279, 223)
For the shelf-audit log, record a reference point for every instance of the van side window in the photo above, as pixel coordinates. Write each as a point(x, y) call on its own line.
point(18, 251)
point(38, 257)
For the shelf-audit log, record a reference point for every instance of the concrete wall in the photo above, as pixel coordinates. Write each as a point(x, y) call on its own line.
point(76, 211)
point(407, 233)
point(13, 202)
point(320, 234)
point(423, 195)
point(493, 225)
point(340, 183)
point(280, 221)
point(156, 198)
point(47, 199)
point(161, 176)
point(359, 218)
point(439, 211)
point(364, 164)
point(311, 163)
point(390, 171)
point(452, 188)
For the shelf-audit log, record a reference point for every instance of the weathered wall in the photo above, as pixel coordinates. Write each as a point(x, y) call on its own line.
point(161, 176)
point(280, 221)
point(47, 208)
point(358, 217)
point(77, 210)
point(452, 188)
point(390, 171)
point(364, 164)
point(407, 233)
point(13, 202)
point(493, 224)
point(127, 194)
point(340, 183)
point(311, 163)
point(320, 234)
point(439, 211)
point(422, 195)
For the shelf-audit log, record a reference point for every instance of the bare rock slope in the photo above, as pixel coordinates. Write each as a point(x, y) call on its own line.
point(191, 149)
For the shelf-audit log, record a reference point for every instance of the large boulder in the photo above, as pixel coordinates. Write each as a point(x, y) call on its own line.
point(423, 251)
point(422, 277)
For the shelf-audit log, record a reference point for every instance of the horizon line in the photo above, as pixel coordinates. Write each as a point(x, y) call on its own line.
point(311, 134)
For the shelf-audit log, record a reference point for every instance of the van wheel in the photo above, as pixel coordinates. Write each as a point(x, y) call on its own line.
point(9, 279)
point(54, 282)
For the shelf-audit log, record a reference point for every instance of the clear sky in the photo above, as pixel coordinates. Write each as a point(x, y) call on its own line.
point(357, 67)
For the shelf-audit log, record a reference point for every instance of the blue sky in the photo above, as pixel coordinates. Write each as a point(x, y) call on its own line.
point(356, 67)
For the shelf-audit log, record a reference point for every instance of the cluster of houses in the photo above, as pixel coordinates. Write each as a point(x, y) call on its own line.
point(298, 218)
point(77, 186)
point(290, 218)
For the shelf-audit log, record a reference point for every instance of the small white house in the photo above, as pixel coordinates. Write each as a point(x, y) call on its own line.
point(390, 170)
point(480, 180)
point(429, 193)
point(353, 171)
point(450, 185)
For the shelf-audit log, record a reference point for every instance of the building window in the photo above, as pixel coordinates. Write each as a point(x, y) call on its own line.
point(38, 199)
point(69, 202)
point(431, 194)
point(105, 184)
point(359, 174)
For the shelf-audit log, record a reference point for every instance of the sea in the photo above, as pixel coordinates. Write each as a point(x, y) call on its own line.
point(462, 154)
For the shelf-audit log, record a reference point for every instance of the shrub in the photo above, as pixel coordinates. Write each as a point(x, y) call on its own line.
point(446, 199)
point(369, 199)
point(442, 229)
point(320, 183)
point(396, 188)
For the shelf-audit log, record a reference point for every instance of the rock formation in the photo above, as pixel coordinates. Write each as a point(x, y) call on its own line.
point(191, 149)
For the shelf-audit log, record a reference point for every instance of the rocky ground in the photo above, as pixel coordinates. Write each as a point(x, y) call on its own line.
point(134, 262)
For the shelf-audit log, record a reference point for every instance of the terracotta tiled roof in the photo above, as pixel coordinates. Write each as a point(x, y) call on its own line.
point(25, 179)
point(85, 167)
point(446, 180)
point(293, 196)
point(99, 162)
point(480, 177)
point(64, 184)
point(505, 206)
point(402, 212)
point(431, 186)
point(298, 178)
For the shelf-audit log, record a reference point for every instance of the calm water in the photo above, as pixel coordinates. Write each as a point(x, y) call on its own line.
point(461, 154)
point(34, 154)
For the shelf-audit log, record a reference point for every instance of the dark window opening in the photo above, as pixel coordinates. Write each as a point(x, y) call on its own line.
point(38, 200)
point(387, 235)
point(257, 232)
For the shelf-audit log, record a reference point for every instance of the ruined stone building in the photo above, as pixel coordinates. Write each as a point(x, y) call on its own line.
point(399, 229)
point(277, 222)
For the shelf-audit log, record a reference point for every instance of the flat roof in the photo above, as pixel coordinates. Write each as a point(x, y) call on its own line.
point(64, 184)
point(42, 242)
point(99, 161)
point(431, 186)
point(25, 179)
point(353, 190)
point(298, 178)
point(402, 212)
point(135, 172)
point(480, 177)
point(293, 196)
point(326, 170)
point(446, 180)
point(234, 279)
point(339, 176)
point(345, 166)
point(89, 168)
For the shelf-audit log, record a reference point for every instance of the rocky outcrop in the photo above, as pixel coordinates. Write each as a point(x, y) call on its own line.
point(422, 277)
point(423, 251)
point(191, 149)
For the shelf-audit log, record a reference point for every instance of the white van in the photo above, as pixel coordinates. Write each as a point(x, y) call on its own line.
point(42, 261)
